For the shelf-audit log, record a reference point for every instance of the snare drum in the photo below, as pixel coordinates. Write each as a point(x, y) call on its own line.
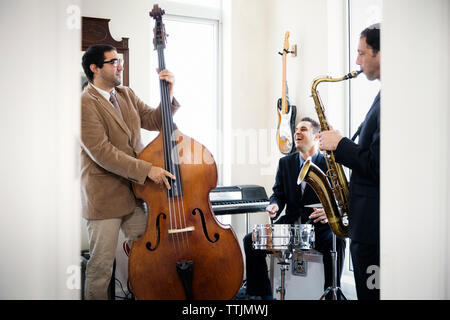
point(271, 236)
point(303, 236)
point(277, 237)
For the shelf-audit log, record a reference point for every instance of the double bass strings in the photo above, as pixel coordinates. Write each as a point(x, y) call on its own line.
point(167, 147)
point(176, 206)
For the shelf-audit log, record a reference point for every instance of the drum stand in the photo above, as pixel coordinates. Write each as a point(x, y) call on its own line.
point(283, 261)
point(335, 290)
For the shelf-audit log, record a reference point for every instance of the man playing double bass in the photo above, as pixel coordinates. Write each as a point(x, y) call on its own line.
point(111, 119)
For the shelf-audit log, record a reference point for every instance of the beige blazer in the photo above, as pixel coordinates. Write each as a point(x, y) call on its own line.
point(109, 146)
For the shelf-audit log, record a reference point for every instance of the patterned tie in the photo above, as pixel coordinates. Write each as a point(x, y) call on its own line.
point(303, 183)
point(113, 100)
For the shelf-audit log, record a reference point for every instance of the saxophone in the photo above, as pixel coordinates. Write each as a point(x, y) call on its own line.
point(332, 187)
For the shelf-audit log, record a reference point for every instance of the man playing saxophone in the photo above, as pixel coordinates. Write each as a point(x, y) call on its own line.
point(363, 158)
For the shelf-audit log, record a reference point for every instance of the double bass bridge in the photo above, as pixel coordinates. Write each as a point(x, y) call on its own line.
point(187, 229)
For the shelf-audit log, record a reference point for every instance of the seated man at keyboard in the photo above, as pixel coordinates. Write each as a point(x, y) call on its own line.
point(288, 193)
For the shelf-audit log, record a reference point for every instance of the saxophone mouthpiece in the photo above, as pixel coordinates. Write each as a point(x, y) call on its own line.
point(352, 74)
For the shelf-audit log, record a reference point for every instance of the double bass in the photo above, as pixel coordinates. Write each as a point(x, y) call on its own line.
point(185, 253)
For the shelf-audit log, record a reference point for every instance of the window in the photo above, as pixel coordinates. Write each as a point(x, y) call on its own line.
point(203, 3)
point(192, 55)
point(362, 13)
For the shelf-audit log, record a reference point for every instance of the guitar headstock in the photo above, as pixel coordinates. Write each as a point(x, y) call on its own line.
point(286, 42)
point(159, 38)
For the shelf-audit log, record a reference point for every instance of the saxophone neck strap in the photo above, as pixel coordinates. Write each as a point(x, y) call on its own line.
point(357, 132)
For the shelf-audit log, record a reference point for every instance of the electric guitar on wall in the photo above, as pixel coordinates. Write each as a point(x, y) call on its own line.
point(286, 112)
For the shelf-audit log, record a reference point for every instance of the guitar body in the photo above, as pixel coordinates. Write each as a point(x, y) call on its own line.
point(286, 129)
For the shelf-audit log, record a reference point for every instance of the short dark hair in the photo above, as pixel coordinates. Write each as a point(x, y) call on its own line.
point(95, 54)
point(372, 35)
point(314, 124)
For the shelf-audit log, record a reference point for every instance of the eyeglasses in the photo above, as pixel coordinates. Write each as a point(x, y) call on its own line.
point(114, 62)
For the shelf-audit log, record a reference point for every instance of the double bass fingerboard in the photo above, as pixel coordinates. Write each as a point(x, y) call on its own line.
point(171, 158)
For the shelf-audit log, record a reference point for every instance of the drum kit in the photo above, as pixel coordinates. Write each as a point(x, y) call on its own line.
point(283, 240)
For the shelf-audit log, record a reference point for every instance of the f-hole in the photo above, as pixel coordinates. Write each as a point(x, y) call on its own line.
point(205, 231)
point(148, 245)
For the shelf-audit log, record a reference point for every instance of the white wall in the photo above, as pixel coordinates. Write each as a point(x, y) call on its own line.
point(415, 158)
point(129, 19)
point(254, 34)
point(318, 29)
point(245, 97)
point(39, 131)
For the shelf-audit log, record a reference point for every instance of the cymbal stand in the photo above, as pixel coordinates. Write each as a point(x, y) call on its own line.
point(334, 289)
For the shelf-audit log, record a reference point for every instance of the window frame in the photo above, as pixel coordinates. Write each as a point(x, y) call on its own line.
point(186, 13)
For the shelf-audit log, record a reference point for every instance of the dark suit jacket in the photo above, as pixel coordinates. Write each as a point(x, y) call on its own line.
point(287, 193)
point(364, 161)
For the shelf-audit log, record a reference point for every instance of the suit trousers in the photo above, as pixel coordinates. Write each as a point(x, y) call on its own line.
point(258, 283)
point(103, 236)
point(366, 262)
